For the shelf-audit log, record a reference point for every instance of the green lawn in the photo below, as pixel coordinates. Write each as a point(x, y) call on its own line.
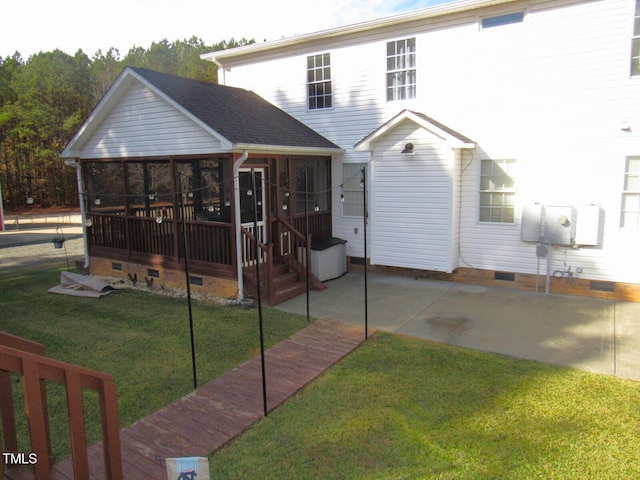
point(397, 408)
point(141, 339)
point(401, 408)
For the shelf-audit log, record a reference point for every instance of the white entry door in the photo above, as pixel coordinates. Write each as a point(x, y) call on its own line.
point(248, 215)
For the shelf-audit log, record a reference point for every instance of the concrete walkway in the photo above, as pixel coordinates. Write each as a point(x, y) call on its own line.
point(590, 334)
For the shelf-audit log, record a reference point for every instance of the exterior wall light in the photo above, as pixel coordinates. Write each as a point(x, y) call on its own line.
point(408, 148)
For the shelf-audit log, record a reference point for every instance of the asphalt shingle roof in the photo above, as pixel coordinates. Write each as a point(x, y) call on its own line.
point(240, 116)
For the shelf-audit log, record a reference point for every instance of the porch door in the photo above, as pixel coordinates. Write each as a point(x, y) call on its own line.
point(247, 204)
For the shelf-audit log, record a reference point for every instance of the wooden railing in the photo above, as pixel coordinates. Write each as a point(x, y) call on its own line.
point(294, 249)
point(27, 359)
point(291, 245)
point(319, 224)
point(264, 259)
point(209, 242)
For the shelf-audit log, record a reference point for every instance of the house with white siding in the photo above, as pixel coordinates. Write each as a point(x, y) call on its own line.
point(500, 139)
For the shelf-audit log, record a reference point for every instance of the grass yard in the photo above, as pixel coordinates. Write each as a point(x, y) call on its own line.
point(397, 408)
point(402, 408)
point(140, 338)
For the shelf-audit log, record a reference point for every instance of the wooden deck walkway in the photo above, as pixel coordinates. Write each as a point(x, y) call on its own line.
point(208, 418)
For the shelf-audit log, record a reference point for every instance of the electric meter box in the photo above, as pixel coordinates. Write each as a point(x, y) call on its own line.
point(559, 225)
point(531, 227)
point(589, 225)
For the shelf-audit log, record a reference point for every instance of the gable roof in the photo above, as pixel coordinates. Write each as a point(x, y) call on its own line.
point(448, 135)
point(240, 119)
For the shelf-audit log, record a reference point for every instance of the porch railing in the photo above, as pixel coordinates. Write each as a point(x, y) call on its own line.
point(264, 259)
point(27, 359)
point(294, 249)
point(209, 242)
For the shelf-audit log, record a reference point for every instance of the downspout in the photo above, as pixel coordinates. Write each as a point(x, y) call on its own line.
point(73, 162)
point(237, 220)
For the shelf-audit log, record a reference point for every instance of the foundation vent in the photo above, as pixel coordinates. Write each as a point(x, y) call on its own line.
point(196, 281)
point(504, 276)
point(116, 266)
point(153, 273)
point(602, 286)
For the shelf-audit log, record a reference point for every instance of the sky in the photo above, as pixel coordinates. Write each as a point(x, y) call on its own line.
point(32, 26)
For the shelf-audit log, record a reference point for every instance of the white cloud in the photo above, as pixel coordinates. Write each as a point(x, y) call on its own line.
point(30, 26)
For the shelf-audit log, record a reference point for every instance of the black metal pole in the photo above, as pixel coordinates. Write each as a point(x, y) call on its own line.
point(257, 260)
point(306, 233)
point(185, 247)
point(364, 215)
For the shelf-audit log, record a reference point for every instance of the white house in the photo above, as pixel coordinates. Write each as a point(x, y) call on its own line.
point(500, 138)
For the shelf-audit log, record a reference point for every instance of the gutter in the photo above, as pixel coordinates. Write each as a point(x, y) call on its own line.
point(73, 162)
point(220, 57)
point(237, 220)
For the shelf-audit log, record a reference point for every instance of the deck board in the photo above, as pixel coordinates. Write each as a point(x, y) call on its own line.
point(208, 418)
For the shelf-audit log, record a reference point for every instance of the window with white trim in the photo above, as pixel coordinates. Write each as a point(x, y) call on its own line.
point(630, 217)
point(351, 195)
point(635, 42)
point(497, 191)
point(401, 69)
point(319, 81)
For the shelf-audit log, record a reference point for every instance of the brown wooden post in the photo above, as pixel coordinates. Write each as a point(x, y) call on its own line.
point(36, 418)
point(110, 431)
point(10, 439)
point(76, 425)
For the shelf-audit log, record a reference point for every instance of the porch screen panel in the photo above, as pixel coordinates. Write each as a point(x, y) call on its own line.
point(207, 195)
point(316, 191)
point(150, 189)
point(105, 187)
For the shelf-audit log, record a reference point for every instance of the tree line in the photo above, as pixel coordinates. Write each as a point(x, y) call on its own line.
point(45, 99)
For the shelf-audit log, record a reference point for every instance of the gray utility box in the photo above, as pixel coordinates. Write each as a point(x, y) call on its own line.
point(561, 225)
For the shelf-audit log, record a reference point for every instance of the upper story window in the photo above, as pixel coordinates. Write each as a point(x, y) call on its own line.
point(497, 191)
point(500, 20)
point(319, 81)
point(401, 69)
point(631, 194)
point(635, 42)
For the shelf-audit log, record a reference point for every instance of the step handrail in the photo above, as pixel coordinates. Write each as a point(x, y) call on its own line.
point(35, 369)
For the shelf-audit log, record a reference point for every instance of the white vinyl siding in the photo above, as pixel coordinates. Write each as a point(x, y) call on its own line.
point(411, 201)
point(144, 124)
point(520, 91)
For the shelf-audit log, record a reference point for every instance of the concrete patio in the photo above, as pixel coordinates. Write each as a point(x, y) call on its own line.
point(601, 336)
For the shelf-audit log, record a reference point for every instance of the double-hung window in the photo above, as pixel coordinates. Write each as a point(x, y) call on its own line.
point(319, 81)
point(351, 195)
point(635, 42)
point(401, 69)
point(497, 191)
point(631, 194)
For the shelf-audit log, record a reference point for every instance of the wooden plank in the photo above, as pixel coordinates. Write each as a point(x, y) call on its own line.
point(76, 426)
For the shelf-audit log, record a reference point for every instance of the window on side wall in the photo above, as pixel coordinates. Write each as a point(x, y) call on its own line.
point(635, 43)
point(497, 191)
point(630, 217)
point(499, 20)
point(319, 89)
point(351, 195)
point(401, 69)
